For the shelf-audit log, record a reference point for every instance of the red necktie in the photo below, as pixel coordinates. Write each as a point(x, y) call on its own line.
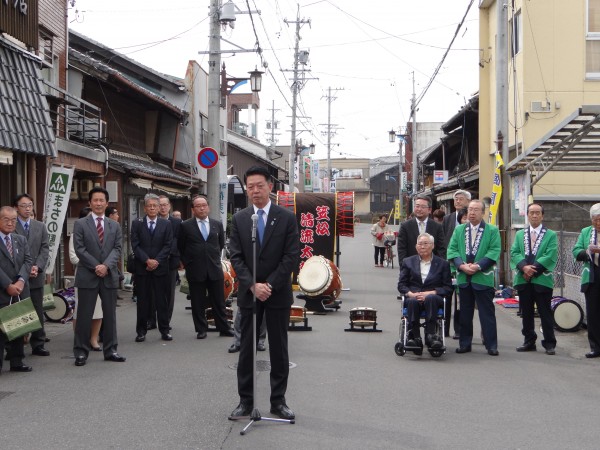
point(100, 229)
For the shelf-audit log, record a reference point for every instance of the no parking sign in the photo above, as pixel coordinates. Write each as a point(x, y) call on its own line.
point(208, 157)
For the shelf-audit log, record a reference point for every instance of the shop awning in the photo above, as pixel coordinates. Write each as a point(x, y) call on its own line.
point(143, 166)
point(573, 145)
point(150, 185)
point(25, 124)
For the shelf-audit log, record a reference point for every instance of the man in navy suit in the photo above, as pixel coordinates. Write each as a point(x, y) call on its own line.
point(277, 254)
point(98, 242)
point(425, 280)
point(164, 209)
point(201, 240)
point(421, 223)
point(151, 240)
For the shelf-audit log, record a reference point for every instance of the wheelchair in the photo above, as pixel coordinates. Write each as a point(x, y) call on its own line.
point(402, 346)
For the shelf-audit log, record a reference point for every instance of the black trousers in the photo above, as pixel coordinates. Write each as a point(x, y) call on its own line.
point(379, 251)
point(592, 310)
point(38, 338)
point(152, 287)
point(209, 293)
point(487, 316)
point(278, 320)
point(430, 305)
point(528, 298)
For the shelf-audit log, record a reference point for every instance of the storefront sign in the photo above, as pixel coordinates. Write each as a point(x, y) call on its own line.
point(55, 210)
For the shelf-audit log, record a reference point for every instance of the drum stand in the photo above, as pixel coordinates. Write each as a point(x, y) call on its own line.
point(320, 304)
point(255, 415)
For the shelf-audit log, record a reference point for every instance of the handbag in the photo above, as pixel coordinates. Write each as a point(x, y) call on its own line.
point(184, 287)
point(19, 318)
point(48, 299)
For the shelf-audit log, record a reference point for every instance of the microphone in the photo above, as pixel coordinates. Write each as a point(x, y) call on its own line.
point(254, 224)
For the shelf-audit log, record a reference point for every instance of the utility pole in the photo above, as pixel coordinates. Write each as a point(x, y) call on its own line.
point(214, 113)
point(413, 113)
point(330, 98)
point(295, 89)
point(273, 124)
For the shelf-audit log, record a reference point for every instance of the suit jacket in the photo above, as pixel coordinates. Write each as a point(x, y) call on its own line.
point(449, 225)
point(38, 247)
point(174, 257)
point(408, 234)
point(544, 261)
point(91, 252)
point(276, 258)
point(487, 255)
point(438, 279)
point(147, 246)
point(15, 267)
point(201, 258)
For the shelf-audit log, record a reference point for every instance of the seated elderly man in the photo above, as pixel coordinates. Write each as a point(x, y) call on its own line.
point(425, 280)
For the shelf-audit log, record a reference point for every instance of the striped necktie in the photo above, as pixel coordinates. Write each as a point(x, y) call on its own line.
point(8, 245)
point(421, 227)
point(534, 236)
point(100, 229)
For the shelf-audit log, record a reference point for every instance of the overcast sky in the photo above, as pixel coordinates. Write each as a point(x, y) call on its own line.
point(367, 50)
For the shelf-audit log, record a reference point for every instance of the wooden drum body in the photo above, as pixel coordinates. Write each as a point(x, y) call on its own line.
point(227, 285)
point(297, 314)
point(363, 316)
point(320, 277)
point(228, 268)
point(210, 318)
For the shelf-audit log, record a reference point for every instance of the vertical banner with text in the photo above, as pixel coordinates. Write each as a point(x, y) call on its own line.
point(57, 202)
point(496, 191)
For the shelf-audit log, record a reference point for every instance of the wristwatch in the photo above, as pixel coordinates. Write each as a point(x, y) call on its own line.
point(269, 286)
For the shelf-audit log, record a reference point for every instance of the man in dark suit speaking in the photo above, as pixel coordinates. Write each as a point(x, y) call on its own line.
point(200, 243)
point(98, 242)
point(425, 280)
point(277, 253)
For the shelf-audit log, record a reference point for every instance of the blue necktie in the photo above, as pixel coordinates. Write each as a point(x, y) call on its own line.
point(204, 230)
point(152, 227)
point(26, 226)
point(261, 225)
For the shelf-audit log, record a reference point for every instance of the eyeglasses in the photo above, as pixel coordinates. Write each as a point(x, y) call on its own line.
point(25, 205)
point(7, 220)
point(474, 209)
point(422, 206)
point(424, 244)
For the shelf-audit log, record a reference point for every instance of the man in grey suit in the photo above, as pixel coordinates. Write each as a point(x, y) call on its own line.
point(151, 240)
point(37, 238)
point(98, 242)
point(15, 267)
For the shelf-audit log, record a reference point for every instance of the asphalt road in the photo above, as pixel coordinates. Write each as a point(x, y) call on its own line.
point(349, 390)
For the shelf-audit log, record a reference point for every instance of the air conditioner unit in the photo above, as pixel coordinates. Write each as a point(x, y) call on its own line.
point(541, 107)
point(74, 190)
point(85, 186)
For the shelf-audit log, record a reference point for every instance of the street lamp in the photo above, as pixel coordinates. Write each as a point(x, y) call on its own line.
point(256, 80)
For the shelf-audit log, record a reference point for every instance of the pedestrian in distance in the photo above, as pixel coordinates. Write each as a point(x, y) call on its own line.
point(378, 231)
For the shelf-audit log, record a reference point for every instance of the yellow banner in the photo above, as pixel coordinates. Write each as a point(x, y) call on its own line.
point(397, 210)
point(496, 191)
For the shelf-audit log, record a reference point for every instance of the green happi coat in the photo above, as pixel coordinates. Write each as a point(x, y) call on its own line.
point(489, 250)
point(547, 256)
point(580, 254)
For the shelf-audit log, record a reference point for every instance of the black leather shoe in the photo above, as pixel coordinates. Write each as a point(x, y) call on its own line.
point(261, 347)
point(493, 352)
point(21, 368)
point(242, 411)
point(115, 357)
point(550, 351)
point(201, 335)
point(80, 361)
point(40, 351)
point(228, 333)
point(234, 348)
point(527, 347)
point(166, 337)
point(282, 411)
point(456, 336)
point(411, 343)
point(140, 338)
point(592, 354)
point(436, 343)
point(463, 349)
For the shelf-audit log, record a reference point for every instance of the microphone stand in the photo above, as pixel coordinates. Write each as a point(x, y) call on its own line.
point(255, 415)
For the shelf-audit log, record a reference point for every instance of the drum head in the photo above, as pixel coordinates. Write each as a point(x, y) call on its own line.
point(315, 275)
point(58, 313)
point(568, 315)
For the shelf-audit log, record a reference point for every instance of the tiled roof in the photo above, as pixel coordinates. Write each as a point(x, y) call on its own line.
point(143, 166)
point(25, 123)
